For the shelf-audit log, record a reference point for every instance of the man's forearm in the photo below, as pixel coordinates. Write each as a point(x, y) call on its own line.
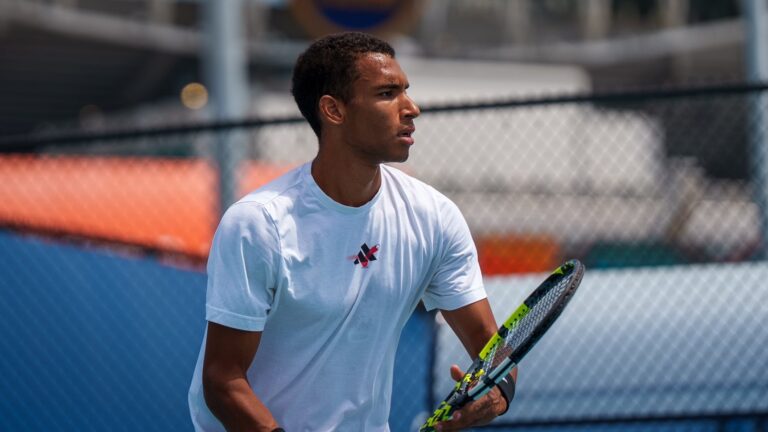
point(473, 324)
point(237, 407)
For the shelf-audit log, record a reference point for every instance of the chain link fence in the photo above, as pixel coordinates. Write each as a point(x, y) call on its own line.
point(659, 193)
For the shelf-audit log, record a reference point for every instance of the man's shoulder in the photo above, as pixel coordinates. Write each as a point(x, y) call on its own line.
point(426, 202)
point(281, 186)
point(268, 201)
point(418, 189)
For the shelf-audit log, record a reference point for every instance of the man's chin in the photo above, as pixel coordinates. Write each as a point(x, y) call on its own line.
point(394, 157)
point(401, 159)
point(403, 156)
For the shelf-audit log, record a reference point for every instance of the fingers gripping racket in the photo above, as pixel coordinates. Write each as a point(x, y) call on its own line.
point(513, 340)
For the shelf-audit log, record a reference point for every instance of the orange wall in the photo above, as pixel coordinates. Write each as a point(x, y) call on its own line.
point(517, 253)
point(167, 204)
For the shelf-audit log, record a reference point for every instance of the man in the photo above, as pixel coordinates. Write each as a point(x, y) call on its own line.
point(313, 276)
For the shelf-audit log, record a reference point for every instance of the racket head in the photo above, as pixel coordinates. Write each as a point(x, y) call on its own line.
point(514, 339)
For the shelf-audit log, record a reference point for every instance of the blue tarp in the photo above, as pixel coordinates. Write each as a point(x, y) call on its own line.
point(98, 341)
point(94, 340)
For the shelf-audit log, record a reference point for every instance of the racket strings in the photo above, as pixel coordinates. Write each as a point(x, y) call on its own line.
point(489, 362)
point(523, 329)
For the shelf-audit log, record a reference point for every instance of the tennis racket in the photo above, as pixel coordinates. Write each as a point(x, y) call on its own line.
point(512, 341)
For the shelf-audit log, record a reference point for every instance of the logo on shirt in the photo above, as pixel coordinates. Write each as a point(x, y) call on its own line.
point(366, 255)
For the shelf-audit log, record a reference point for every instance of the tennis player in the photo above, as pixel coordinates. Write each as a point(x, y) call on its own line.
point(312, 277)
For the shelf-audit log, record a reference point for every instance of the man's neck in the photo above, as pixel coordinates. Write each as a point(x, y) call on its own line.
point(348, 182)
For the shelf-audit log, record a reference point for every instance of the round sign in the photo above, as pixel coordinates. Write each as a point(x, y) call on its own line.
point(322, 17)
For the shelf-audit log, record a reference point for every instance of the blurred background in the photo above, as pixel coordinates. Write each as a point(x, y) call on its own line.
point(630, 134)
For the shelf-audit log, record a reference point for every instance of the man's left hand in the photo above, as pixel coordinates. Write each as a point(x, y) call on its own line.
point(475, 413)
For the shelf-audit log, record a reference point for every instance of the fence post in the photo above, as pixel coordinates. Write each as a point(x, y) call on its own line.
point(757, 71)
point(225, 67)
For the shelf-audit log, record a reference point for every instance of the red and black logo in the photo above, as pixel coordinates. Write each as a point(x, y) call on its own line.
point(366, 255)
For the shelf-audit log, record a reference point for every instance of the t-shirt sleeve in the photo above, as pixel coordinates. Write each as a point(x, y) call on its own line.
point(457, 280)
point(241, 268)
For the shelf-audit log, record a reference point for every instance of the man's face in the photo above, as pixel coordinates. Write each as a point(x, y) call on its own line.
point(379, 116)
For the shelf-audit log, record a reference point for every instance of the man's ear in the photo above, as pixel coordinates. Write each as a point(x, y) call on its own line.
point(332, 109)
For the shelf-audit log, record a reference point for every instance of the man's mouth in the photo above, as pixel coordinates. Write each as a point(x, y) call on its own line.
point(406, 132)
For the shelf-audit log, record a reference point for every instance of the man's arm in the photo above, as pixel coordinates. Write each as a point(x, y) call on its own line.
point(474, 324)
point(228, 354)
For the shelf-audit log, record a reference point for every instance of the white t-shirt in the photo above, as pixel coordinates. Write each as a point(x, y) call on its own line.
point(331, 287)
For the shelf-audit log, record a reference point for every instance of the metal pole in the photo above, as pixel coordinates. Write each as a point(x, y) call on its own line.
point(757, 71)
point(225, 69)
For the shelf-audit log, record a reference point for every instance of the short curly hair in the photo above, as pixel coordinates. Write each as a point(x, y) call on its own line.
point(327, 67)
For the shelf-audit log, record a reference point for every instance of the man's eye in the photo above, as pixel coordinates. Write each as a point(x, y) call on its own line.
point(387, 93)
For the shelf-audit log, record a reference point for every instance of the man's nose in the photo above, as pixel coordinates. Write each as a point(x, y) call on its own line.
point(411, 109)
